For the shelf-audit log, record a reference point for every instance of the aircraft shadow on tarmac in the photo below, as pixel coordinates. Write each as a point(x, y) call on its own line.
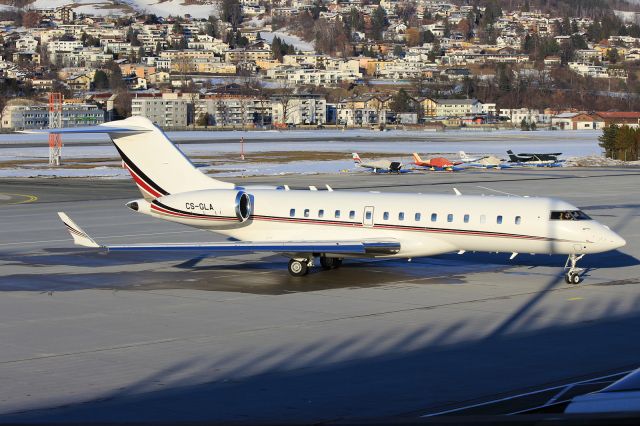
point(267, 275)
point(389, 371)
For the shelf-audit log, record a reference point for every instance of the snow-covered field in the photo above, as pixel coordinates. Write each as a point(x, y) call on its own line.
point(214, 147)
point(296, 41)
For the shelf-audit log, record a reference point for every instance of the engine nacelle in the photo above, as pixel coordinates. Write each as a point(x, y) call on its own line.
point(207, 208)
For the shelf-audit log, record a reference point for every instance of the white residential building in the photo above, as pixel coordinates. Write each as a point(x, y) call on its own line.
point(299, 109)
point(20, 117)
point(234, 110)
point(458, 107)
point(168, 111)
point(516, 115)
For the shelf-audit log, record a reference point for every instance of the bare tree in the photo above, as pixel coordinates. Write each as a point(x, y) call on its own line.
point(186, 66)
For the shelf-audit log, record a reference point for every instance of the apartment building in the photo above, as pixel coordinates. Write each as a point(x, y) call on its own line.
point(233, 110)
point(167, 111)
point(246, 55)
point(311, 76)
point(516, 115)
point(458, 107)
point(20, 117)
point(299, 109)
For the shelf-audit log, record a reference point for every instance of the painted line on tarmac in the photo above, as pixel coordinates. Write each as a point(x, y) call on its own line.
point(509, 398)
point(28, 198)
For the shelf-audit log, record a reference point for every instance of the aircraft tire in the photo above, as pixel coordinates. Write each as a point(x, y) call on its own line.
point(298, 268)
point(572, 278)
point(328, 263)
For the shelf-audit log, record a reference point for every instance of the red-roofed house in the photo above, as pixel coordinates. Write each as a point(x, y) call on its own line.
point(620, 118)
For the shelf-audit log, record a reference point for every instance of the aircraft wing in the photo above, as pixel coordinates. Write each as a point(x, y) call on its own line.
point(365, 247)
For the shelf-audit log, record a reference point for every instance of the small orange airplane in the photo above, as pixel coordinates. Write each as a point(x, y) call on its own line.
point(436, 163)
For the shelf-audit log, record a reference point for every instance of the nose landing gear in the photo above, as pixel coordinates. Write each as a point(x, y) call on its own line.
point(572, 276)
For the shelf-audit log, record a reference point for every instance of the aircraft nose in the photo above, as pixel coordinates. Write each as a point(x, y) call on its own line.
point(613, 240)
point(618, 241)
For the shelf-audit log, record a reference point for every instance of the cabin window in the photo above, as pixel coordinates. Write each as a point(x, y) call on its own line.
point(320, 213)
point(499, 220)
point(483, 218)
point(417, 217)
point(518, 220)
point(337, 214)
point(306, 212)
point(385, 216)
point(401, 216)
point(449, 217)
point(292, 212)
point(352, 214)
point(466, 218)
point(434, 217)
point(569, 215)
point(368, 215)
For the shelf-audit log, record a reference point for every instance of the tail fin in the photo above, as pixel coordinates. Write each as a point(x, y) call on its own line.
point(80, 237)
point(356, 158)
point(416, 158)
point(512, 157)
point(156, 165)
point(463, 155)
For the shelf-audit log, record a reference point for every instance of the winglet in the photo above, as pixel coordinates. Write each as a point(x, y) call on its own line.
point(80, 237)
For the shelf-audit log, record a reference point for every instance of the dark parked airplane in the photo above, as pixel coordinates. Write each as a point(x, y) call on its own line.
point(548, 158)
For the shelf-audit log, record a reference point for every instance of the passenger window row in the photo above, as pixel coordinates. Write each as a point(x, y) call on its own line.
point(401, 216)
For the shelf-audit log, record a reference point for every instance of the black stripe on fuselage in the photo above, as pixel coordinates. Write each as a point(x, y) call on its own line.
point(139, 172)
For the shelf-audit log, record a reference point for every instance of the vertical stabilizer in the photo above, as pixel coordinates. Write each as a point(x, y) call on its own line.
point(155, 163)
point(512, 157)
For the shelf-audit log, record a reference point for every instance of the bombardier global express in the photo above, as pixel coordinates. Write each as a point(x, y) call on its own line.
point(332, 225)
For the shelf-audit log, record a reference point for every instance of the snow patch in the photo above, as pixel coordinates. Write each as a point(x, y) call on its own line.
point(294, 40)
point(158, 7)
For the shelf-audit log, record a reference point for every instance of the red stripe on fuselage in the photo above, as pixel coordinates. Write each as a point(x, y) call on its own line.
point(142, 184)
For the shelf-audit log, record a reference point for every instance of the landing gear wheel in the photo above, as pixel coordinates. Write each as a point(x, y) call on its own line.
point(573, 274)
point(328, 263)
point(298, 268)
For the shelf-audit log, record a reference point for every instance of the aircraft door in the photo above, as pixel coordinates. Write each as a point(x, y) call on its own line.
point(367, 216)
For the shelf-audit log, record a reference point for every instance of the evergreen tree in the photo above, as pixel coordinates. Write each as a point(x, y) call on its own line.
point(100, 80)
point(608, 139)
point(378, 23)
point(402, 102)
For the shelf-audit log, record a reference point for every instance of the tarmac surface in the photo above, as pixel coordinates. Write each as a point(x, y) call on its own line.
point(155, 337)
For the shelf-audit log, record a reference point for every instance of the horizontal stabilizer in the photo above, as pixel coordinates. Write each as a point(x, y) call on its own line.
point(80, 237)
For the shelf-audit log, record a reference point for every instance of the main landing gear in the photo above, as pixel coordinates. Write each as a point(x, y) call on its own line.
point(300, 267)
point(573, 274)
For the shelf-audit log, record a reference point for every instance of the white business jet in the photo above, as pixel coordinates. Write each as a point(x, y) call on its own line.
point(333, 225)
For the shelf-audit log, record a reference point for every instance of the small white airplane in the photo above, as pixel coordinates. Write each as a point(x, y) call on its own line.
point(378, 166)
point(484, 162)
point(333, 225)
point(464, 158)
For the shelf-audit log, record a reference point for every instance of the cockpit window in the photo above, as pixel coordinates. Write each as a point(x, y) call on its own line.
point(569, 215)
